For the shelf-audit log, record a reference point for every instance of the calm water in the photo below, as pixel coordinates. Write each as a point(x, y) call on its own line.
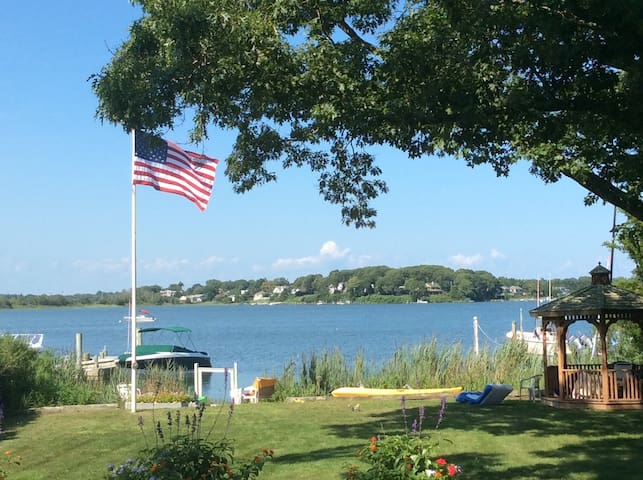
point(262, 339)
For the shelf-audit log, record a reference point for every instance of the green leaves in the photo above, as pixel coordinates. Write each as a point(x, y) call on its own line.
point(303, 83)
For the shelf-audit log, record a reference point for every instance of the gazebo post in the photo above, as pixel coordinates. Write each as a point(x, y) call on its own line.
point(561, 333)
point(543, 325)
point(602, 332)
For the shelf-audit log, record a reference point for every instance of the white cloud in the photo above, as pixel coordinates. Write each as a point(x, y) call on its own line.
point(496, 253)
point(164, 265)
point(328, 251)
point(105, 265)
point(461, 260)
point(466, 261)
point(213, 260)
point(361, 260)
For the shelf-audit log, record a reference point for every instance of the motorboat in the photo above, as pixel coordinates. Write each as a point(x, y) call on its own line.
point(166, 355)
point(144, 316)
point(533, 339)
point(34, 340)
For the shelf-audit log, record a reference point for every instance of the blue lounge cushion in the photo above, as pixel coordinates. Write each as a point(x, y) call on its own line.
point(492, 394)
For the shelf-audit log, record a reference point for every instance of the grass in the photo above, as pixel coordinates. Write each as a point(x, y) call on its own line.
point(318, 439)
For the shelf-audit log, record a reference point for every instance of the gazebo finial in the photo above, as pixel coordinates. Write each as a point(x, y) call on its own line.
point(600, 275)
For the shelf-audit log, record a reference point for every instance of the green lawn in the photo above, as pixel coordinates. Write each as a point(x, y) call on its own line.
point(318, 439)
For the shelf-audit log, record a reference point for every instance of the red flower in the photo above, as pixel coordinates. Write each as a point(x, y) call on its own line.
point(452, 470)
point(373, 447)
point(373, 439)
point(441, 461)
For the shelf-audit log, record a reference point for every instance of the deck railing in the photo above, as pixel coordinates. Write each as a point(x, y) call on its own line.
point(584, 382)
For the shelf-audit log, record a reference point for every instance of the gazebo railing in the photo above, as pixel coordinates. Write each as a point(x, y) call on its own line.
point(584, 382)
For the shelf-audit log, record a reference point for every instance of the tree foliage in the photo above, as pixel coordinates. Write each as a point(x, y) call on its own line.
point(629, 239)
point(555, 82)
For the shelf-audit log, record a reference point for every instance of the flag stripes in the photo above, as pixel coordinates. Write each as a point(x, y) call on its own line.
point(165, 166)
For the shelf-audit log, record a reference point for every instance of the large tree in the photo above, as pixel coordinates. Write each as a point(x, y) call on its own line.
point(557, 83)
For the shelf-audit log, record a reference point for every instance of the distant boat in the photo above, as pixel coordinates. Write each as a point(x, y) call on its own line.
point(34, 340)
point(533, 339)
point(144, 317)
point(166, 355)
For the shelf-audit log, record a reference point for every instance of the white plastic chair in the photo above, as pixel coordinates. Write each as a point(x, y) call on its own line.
point(532, 385)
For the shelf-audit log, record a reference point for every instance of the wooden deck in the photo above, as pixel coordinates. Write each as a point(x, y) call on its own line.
point(583, 387)
point(99, 367)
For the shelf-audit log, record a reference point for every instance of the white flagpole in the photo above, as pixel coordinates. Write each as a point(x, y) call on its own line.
point(133, 266)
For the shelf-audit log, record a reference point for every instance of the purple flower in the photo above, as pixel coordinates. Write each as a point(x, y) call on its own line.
point(443, 410)
point(421, 416)
point(403, 406)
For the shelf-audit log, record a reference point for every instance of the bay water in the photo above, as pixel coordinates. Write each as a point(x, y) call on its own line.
point(264, 339)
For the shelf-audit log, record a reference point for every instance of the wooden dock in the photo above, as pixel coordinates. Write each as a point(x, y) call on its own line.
point(99, 366)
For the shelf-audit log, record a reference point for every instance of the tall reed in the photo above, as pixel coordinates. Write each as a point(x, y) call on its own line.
point(425, 365)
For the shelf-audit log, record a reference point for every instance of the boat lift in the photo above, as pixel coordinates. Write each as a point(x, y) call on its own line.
point(233, 373)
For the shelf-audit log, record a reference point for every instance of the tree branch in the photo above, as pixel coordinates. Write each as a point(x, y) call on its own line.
point(608, 192)
point(348, 30)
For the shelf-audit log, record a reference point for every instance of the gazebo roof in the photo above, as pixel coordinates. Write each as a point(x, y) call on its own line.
point(599, 299)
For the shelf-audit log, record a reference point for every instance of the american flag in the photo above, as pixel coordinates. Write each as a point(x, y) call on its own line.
point(167, 167)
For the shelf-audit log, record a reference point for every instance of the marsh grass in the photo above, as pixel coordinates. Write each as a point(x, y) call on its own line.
point(425, 365)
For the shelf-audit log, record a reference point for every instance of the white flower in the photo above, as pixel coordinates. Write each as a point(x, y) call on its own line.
point(429, 472)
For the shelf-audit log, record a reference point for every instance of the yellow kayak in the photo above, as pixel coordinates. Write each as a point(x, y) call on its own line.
point(345, 392)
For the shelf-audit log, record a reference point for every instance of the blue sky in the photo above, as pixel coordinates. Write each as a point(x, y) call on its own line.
point(65, 195)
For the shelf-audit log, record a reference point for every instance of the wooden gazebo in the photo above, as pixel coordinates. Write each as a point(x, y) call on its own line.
point(601, 385)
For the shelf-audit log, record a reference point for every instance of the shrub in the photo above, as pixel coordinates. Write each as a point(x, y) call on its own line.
point(410, 455)
point(17, 372)
point(184, 451)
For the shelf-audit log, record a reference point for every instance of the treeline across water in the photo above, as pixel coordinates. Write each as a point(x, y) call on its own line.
point(379, 284)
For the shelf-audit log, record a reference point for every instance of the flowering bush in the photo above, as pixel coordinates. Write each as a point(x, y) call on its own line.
point(407, 456)
point(184, 453)
point(163, 397)
point(10, 459)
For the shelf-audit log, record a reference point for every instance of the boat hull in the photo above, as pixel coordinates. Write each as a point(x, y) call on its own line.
point(359, 392)
point(162, 359)
point(34, 340)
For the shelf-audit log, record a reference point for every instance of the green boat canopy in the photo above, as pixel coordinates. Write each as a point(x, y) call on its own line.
point(165, 329)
